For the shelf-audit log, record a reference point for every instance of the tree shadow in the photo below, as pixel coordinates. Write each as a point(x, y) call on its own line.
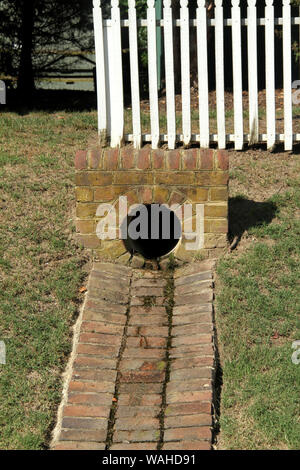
point(244, 214)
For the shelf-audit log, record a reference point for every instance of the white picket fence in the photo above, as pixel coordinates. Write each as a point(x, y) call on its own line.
point(108, 49)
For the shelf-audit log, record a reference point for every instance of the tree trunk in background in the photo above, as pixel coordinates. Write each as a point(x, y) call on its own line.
point(26, 76)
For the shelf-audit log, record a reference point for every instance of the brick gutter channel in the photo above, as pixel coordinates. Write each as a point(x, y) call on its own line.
point(144, 362)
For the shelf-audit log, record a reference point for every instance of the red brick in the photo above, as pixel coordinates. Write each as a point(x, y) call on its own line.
point(146, 341)
point(77, 386)
point(95, 349)
point(190, 396)
point(139, 388)
point(70, 445)
point(139, 400)
point(102, 306)
point(187, 384)
point(144, 353)
point(201, 328)
point(84, 423)
point(143, 159)
point(161, 331)
point(142, 310)
point(135, 446)
point(156, 320)
point(146, 195)
point(158, 157)
point(74, 435)
point(192, 318)
point(192, 339)
point(98, 327)
point(87, 411)
point(187, 309)
point(189, 375)
point(95, 375)
point(188, 421)
point(192, 362)
point(137, 423)
point(176, 198)
point(173, 159)
point(189, 159)
point(98, 338)
point(134, 411)
point(127, 158)
point(95, 158)
point(222, 160)
point(142, 376)
point(179, 409)
point(188, 434)
point(206, 159)
point(187, 445)
point(137, 436)
point(95, 362)
point(110, 159)
point(81, 160)
point(90, 398)
point(105, 317)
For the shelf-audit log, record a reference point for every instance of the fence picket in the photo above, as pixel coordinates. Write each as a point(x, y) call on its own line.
point(152, 71)
point(116, 76)
point(219, 54)
point(237, 75)
point(270, 74)
point(202, 73)
point(134, 75)
point(169, 65)
point(252, 71)
point(100, 64)
point(287, 75)
point(185, 71)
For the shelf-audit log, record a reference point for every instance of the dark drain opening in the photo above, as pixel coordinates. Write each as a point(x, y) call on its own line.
point(152, 230)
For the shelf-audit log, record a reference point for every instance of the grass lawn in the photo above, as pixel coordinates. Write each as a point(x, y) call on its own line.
point(258, 305)
point(41, 268)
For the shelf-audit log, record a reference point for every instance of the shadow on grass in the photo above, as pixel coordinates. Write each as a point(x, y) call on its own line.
point(244, 214)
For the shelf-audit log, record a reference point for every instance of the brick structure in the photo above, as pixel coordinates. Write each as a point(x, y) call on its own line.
point(142, 368)
point(152, 176)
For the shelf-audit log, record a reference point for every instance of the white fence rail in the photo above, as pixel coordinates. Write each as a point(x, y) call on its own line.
point(108, 46)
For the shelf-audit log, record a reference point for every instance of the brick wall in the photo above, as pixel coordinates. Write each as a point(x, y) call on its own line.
point(152, 176)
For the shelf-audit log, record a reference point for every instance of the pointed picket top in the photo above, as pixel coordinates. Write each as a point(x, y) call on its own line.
point(219, 3)
point(167, 3)
point(184, 3)
point(150, 3)
point(252, 3)
point(235, 3)
point(201, 3)
point(269, 3)
point(96, 3)
point(286, 3)
point(131, 3)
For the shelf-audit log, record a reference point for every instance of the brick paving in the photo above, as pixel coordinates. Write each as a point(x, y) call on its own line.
point(143, 365)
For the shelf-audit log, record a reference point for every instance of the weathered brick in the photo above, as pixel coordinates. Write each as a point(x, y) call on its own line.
point(127, 155)
point(196, 194)
point(187, 445)
point(194, 288)
point(85, 226)
point(186, 376)
point(187, 421)
point(216, 226)
point(102, 306)
point(143, 353)
point(146, 341)
point(201, 328)
point(84, 423)
point(98, 327)
point(152, 310)
point(188, 434)
point(215, 210)
point(110, 159)
point(98, 338)
point(156, 320)
point(100, 350)
point(140, 365)
point(81, 160)
point(95, 362)
point(104, 194)
point(87, 411)
point(88, 240)
point(148, 283)
point(219, 194)
point(176, 198)
point(192, 298)
point(160, 195)
point(148, 331)
point(188, 397)
point(143, 376)
point(71, 445)
point(189, 159)
point(94, 158)
point(192, 277)
point(134, 446)
point(192, 339)
point(179, 409)
point(93, 178)
point(158, 158)
point(172, 159)
point(105, 317)
point(206, 159)
point(133, 177)
point(199, 361)
point(137, 423)
point(145, 194)
point(137, 436)
point(90, 398)
point(84, 194)
point(188, 385)
point(86, 210)
point(191, 350)
point(139, 400)
point(83, 435)
point(175, 178)
point(135, 411)
point(222, 160)
point(192, 318)
point(211, 178)
point(139, 388)
point(143, 159)
point(148, 291)
point(79, 386)
point(95, 375)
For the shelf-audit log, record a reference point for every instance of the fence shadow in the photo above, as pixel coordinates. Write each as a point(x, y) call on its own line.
point(244, 213)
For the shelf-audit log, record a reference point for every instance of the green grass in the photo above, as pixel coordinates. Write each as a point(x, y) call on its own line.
point(41, 268)
point(258, 305)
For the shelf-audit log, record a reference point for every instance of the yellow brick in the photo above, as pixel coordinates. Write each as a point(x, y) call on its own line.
point(215, 210)
point(219, 194)
point(84, 194)
point(86, 210)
